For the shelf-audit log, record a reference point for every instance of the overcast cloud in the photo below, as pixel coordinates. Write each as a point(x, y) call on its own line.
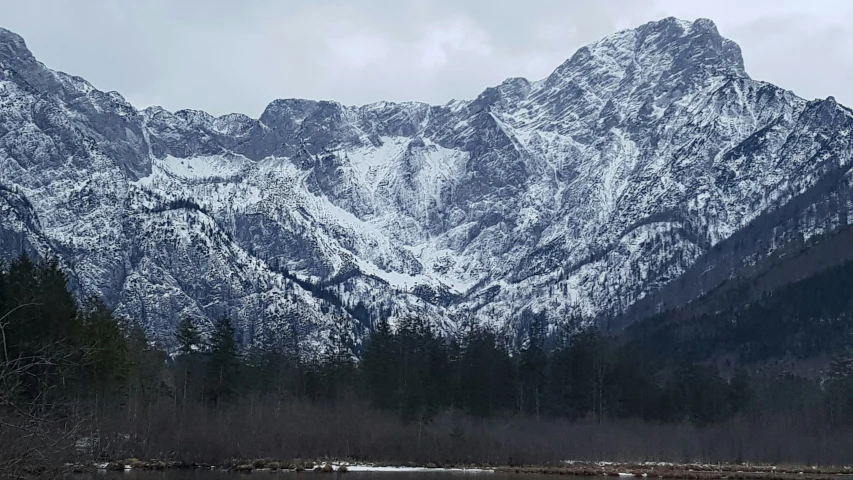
point(236, 56)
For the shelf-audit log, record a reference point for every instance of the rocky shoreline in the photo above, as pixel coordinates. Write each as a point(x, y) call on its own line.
point(688, 471)
point(270, 465)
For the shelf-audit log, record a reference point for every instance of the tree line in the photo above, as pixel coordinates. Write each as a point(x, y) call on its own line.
point(415, 373)
point(76, 381)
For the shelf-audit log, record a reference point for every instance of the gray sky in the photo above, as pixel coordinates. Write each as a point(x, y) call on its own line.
point(236, 56)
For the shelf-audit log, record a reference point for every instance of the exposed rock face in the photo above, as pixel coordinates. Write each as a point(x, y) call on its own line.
point(579, 194)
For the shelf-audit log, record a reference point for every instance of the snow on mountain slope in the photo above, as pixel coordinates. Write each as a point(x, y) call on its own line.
point(578, 194)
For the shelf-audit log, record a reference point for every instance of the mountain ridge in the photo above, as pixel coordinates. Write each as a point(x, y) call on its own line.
point(578, 194)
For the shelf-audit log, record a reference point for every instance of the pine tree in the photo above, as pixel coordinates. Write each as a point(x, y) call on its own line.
point(188, 337)
point(533, 364)
point(223, 365)
point(378, 366)
point(104, 347)
point(841, 366)
point(274, 358)
point(337, 363)
point(39, 319)
point(484, 376)
point(839, 386)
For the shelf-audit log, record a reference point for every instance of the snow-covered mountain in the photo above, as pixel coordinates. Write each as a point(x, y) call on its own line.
point(578, 194)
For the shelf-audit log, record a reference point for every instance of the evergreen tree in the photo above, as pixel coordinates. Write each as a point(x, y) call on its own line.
point(223, 363)
point(338, 365)
point(40, 311)
point(839, 387)
point(104, 347)
point(274, 359)
point(145, 363)
point(532, 364)
point(40, 321)
point(188, 337)
point(378, 366)
point(421, 374)
point(484, 374)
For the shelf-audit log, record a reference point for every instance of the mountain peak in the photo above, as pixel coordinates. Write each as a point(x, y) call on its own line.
point(13, 47)
point(692, 44)
point(664, 48)
point(677, 26)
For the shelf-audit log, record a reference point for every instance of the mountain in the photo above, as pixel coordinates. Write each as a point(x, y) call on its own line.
point(643, 172)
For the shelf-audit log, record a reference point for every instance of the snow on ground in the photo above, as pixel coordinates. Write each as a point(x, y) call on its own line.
point(202, 166)
point(372, 468)
point(371, 164)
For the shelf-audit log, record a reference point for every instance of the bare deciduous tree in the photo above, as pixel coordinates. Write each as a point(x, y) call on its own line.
point(36, 433)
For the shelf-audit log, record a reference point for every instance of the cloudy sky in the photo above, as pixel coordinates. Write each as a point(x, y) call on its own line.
point(236, 56)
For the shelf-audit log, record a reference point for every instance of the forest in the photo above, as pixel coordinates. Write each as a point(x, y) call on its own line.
point(79, 385)
point(745, 321)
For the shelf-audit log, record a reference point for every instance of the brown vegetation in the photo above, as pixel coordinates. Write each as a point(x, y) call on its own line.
point(274, 430)
point(35, 435)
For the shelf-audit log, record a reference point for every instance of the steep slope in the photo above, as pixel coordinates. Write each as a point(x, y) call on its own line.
point(579, 194)
point(779, 238)
point(73, 155)
point(792, 306)
point(20, 231)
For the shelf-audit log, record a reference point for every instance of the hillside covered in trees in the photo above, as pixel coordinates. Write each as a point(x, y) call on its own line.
point(793, 310)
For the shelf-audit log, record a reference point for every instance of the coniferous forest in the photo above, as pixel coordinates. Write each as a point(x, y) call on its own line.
point(78, 384)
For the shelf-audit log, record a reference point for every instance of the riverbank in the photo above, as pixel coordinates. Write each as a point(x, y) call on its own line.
point(298, 465)
point(688, 471)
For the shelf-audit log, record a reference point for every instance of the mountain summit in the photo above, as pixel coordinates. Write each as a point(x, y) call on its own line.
point(577, 195)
